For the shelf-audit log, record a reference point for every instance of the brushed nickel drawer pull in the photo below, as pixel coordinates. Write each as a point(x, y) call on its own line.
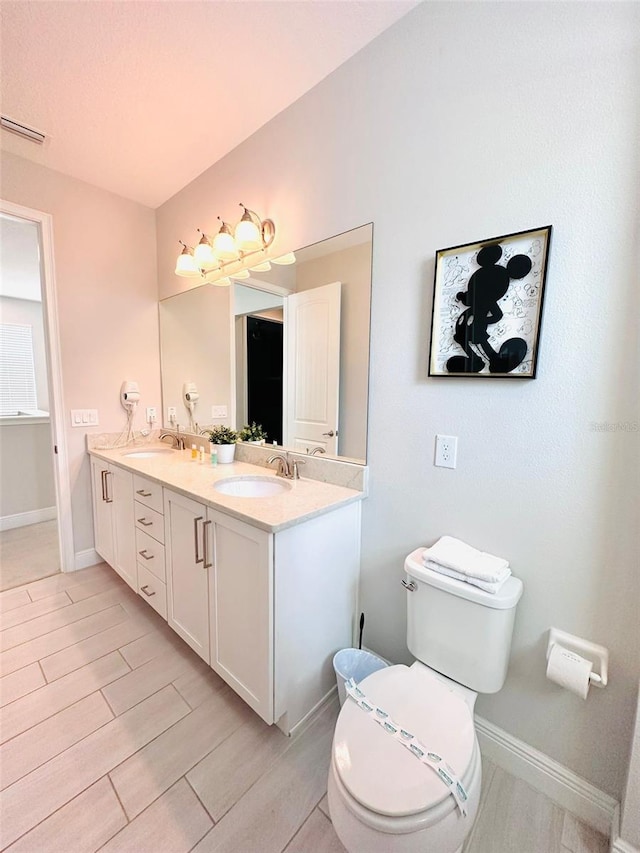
point(199, 559)
point(207, 563)
point(144, 589)
point(143, 493)
point(104, 488)
point(144, 554)
point(143, 521)
point(108, 474)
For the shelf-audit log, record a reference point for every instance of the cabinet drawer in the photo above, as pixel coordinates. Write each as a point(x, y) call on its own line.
point(150, 554)
point(149, 521)
point(153, 591)
point(148, 492)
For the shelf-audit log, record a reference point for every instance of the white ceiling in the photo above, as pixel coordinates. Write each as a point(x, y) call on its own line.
point(141, 96)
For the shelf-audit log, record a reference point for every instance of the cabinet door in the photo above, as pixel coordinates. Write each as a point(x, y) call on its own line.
point(124, 531)
point(102, 507)
point(187, 571)
point(241, 594)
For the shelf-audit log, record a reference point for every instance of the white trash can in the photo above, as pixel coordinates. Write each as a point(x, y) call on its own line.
point(356, 664)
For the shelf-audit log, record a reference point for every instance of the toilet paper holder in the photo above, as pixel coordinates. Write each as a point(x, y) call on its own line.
point(598, 655)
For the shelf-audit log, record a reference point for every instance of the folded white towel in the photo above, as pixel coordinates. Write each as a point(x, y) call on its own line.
point(484, 585)
point(454, 554)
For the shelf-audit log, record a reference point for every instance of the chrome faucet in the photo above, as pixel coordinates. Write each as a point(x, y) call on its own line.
point(177, 439)
point(317, 450)
point(286, 467)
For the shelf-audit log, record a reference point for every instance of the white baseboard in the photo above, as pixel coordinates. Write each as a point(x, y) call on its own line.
point(23, 519)
point(84, 559)
point(563, 786)
point(619, 845)
point(310, 716)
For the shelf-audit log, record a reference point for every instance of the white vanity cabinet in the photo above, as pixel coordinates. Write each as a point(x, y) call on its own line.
point(113, 518)
point(187, 567)
point(241, 609)
point(267, 611)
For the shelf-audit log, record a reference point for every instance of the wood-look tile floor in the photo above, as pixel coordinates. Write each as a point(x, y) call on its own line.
point(28, 553)
point(115, 736)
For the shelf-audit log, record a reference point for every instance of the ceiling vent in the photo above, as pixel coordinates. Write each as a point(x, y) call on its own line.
point(22, 130)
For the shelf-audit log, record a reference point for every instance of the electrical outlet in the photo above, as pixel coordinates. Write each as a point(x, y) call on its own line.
point(218, 411)
point(446, 451)
point(151, 414)
point(171, 414)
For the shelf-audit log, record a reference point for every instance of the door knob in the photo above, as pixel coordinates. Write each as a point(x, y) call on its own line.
point(331, 433)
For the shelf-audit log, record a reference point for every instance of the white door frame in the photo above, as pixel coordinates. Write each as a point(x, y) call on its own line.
point(44, 222)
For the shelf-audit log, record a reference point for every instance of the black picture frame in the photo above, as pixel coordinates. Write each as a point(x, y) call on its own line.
point(487, 306)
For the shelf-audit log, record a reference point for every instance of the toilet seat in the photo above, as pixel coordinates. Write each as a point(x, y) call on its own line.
point(377, 772)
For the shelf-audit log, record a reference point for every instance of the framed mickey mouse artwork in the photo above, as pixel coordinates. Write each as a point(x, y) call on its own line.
point(487, 306)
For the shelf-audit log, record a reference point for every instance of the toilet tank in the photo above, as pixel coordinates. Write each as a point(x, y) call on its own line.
point(460, 630)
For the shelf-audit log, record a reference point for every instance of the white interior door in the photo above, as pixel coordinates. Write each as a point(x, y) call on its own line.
point(312, 331)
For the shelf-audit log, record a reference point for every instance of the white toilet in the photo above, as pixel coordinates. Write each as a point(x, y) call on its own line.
point(381, 798)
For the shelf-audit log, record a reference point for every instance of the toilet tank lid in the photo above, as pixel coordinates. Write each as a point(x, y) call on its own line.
point(506, 598)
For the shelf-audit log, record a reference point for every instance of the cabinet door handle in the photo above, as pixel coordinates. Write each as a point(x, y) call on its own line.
point(205, 546)
point(199, 559)
point(104, 488)
point(143, 493)
point(143, 521)
point(145, 590)
point(109, 500)
point(144, 554)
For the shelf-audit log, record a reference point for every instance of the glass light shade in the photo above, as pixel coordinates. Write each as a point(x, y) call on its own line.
point(265, 267)
point(247, 235)
point(242, 274)
point(203, 254)
point(284, 260)
point(221, 282)
point(186, 265)
point(224, 247)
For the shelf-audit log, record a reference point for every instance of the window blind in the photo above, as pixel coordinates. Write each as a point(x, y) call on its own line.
point(17, 371)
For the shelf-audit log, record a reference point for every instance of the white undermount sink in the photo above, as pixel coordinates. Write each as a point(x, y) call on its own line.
point(252, 487)
point(149, 452)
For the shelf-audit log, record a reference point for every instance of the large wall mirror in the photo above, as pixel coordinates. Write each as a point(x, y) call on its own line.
point(287, 348)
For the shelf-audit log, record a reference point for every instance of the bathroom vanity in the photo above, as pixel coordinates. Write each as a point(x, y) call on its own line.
point(263, 588)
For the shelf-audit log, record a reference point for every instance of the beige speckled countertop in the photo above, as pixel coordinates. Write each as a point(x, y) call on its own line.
point(176, 470)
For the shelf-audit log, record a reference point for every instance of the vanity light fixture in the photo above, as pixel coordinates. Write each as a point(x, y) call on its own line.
point(212, 259)
point(284, 260)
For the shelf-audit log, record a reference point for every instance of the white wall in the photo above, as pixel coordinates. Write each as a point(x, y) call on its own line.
point(26, 468)
point(104, 248)
point(462, 122)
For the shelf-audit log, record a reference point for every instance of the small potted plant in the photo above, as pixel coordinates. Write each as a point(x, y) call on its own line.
point(225, 438)
point(253, 434)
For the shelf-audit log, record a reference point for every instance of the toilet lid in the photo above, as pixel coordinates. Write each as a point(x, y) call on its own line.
point(376, 769)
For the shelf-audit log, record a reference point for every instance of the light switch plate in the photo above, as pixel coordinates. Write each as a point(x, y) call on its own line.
point(84, 417)
point(151, 414)
point(218, 411)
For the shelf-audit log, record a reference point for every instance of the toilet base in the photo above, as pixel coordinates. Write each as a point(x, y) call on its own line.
point(446, 832)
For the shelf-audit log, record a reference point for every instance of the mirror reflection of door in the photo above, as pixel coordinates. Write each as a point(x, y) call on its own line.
point(264, 376)
point(313, 368)
point(29, 547)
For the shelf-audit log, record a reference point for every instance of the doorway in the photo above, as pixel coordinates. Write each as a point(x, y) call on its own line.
point(264, 376)
point(35, 516)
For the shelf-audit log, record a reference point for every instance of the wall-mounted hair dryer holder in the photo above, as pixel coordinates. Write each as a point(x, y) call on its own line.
point(129, 395)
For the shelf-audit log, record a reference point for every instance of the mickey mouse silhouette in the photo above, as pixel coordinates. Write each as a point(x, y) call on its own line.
point(486, 286)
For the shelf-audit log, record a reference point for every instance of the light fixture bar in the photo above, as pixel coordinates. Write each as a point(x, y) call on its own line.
point(22, 130)
point(213, 259)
